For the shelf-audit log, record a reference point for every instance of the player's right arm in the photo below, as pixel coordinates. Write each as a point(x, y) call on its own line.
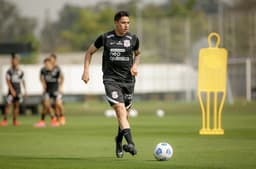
point(9, 84)
point(87, 60)
point(88, 57)
point(42, 80)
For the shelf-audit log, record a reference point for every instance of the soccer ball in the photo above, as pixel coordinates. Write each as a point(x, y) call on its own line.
point(160, 113)
point(163, 151)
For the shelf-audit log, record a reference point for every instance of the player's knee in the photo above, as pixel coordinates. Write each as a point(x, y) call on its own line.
point(58, 103)
point(16, 105)
point(120, 110)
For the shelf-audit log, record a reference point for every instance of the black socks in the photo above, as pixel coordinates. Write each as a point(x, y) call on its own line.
point(42, 116)
point(127, 135)
point(119, 136)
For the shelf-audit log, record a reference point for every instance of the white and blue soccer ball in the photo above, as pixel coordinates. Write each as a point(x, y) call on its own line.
point(163, 151)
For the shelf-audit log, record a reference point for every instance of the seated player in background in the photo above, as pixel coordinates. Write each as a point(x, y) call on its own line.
point(59, 103)
point(14, 79)
point(49, 77)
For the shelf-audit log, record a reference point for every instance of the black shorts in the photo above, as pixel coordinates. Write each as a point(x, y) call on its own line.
point(52, 96)
point(119, 92)
point(10, 99)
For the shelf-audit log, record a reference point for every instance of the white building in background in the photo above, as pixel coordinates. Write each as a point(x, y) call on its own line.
point(155, 78)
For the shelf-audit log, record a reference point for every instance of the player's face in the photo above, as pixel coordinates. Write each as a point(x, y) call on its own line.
point(15, 62)
point(122, 26)
point(53, 61)
point(48, 65)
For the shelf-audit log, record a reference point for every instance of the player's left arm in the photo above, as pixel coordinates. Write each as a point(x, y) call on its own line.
point(137, 54)
point(61, 82)
point(134, 69)
point(24, 87)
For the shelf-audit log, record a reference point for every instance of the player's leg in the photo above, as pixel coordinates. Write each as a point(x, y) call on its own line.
point(51, 107)
point(113, 95)
point(125, 127)
point(16, 109)
point(60, 109)
point(5, 114)
point(116, 99)
point(127, 90)
point(41, 123)
point(9, 100)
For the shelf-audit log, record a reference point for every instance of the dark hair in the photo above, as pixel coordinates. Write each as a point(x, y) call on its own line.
point(120, 14)
point(13, 55)
point(47, 60)
point(53, 55)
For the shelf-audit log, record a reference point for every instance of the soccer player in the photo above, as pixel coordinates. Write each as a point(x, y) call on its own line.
point(59, 102)
point(14, 79)
point(45, 76)
point(120, 61)
point(50, 79)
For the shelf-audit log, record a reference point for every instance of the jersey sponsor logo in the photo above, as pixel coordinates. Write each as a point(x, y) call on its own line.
point(15, 78)
point(49, 78)
point(115, 55)
point(114, 94)
point(119, 43)
point(127, 43)
point(117, 50)
point(118, 58)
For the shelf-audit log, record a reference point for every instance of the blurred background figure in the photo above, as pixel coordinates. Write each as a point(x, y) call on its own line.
point(14, 80)
point(46, 102)
point(52, 80)
point(59, 108)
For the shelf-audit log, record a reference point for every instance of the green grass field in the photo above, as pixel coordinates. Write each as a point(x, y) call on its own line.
point(87, 141)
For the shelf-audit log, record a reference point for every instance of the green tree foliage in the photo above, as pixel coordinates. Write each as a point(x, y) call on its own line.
point(76, 28)
point(15, 28)
point(181, 8)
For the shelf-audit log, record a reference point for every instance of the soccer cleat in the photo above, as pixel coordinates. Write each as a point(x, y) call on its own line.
point(54, 123)
point(130, 148)
point(62, 120)
point(16, 123)
point(119, 149)
point(40, 124)
point(4, 123)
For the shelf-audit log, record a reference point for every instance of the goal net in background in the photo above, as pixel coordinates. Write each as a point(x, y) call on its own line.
point(242, 78)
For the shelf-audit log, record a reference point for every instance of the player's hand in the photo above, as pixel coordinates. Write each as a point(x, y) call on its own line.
point(85, 76)
point(134, 70)
point(13, 93)
point(60, 90)
point(44, 90)
point(25, 94)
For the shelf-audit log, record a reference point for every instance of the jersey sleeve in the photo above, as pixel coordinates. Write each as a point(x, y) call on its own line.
point(22, 75)
point(41, 74)
point(99, 42)
point(8, 75)
point(59, 72)
point(137, 44)
point(41, 71)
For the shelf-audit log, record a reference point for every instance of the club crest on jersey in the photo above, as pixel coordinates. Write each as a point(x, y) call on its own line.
point(114, 94)
point(127, 43)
